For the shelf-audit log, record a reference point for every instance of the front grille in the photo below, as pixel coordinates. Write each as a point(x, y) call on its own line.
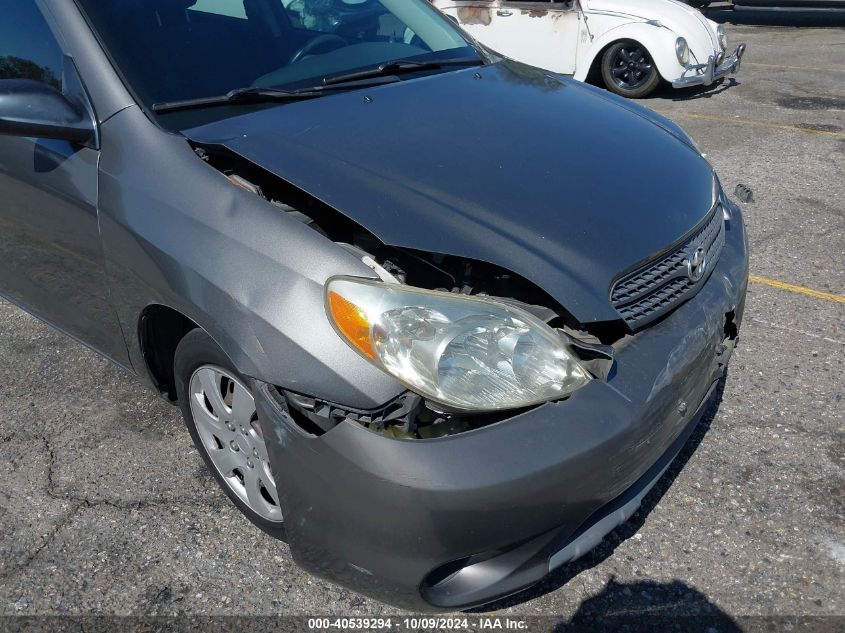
point(658, 287)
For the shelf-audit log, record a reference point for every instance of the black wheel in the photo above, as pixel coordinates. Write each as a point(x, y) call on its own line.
point(219, 411)
point(628, 70)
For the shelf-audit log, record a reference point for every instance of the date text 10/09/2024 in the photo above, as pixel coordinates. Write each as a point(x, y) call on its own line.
point(415, 624)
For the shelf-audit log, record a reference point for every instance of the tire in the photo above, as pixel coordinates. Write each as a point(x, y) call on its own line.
point(628, 70)
point(219, 411)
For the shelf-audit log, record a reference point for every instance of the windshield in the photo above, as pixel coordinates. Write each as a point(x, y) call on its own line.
point(176, 50)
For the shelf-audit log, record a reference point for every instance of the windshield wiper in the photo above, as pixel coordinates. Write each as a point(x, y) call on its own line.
point(399, 66)
point(241, 95)
point(265, 95)
point(382, 74)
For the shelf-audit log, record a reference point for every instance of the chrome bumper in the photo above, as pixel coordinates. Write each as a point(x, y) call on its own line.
point(713, 70)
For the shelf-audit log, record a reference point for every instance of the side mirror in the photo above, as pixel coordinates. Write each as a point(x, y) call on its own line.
point(32, 108)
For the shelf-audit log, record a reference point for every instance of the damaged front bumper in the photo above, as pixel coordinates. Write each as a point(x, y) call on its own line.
point(462, 520)
point(717, 67)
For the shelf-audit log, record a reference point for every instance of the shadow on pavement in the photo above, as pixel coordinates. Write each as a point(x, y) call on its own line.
point(752, 16)
point(667, 92)
point(605, 549)
point(649, 606)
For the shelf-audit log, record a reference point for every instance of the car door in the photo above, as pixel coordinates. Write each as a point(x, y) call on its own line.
point(51, 261)
point(540, 33)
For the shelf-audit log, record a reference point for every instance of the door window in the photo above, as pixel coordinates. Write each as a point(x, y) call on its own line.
point(28, 49)
point(221, 7)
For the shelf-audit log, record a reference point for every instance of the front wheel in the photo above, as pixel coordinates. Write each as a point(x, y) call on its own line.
point(219, 411)
point(628, 70)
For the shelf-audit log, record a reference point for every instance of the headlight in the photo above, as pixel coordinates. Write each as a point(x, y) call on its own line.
point(467, 353)
point(682, 51)
point(722, 34)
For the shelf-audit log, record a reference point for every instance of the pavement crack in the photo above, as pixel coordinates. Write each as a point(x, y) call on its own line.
point(784, 328)
point(45, 543)
point(54, 492)
point(50, 464)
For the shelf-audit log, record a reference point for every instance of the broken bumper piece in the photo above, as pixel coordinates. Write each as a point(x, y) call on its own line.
point(466, 519)
point(717, 67)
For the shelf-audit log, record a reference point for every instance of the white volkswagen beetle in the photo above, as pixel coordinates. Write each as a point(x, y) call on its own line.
point(630, 44)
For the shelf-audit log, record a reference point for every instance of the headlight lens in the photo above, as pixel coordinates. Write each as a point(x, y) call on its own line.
point(722, 34)
point(467, 353)
point(682, 51)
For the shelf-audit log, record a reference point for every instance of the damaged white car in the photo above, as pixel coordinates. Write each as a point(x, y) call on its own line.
point(630, 45)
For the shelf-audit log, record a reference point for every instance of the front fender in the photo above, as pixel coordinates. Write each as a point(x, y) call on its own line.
point(175, 232)
point(659, 41)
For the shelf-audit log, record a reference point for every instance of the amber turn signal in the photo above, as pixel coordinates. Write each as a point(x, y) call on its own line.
point(352, 323)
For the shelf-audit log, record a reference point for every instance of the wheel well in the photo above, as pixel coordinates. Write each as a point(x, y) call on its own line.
point(594, 74)
point(160, 329)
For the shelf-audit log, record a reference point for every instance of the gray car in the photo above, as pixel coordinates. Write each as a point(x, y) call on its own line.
point(438, 319)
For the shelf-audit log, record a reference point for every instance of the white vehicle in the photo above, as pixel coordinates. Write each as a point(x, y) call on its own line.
point(630, 44)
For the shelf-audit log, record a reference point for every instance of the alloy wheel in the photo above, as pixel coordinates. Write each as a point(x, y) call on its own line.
point(224, 414)
point(631, 67)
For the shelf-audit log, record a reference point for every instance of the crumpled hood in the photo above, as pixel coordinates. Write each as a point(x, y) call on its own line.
point(542, 176)
point(681, 18)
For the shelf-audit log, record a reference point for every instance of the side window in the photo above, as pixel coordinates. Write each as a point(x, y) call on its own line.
point(228, 8)
point(28, 49)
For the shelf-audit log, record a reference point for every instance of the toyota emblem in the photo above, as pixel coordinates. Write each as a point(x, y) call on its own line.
point(697, 264)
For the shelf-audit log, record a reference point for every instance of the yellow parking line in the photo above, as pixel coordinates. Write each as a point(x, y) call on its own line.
point(735, 121)
point(818, 294)
point(826, 70)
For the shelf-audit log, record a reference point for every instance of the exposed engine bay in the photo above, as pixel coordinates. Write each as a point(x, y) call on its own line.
point(411, 416)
